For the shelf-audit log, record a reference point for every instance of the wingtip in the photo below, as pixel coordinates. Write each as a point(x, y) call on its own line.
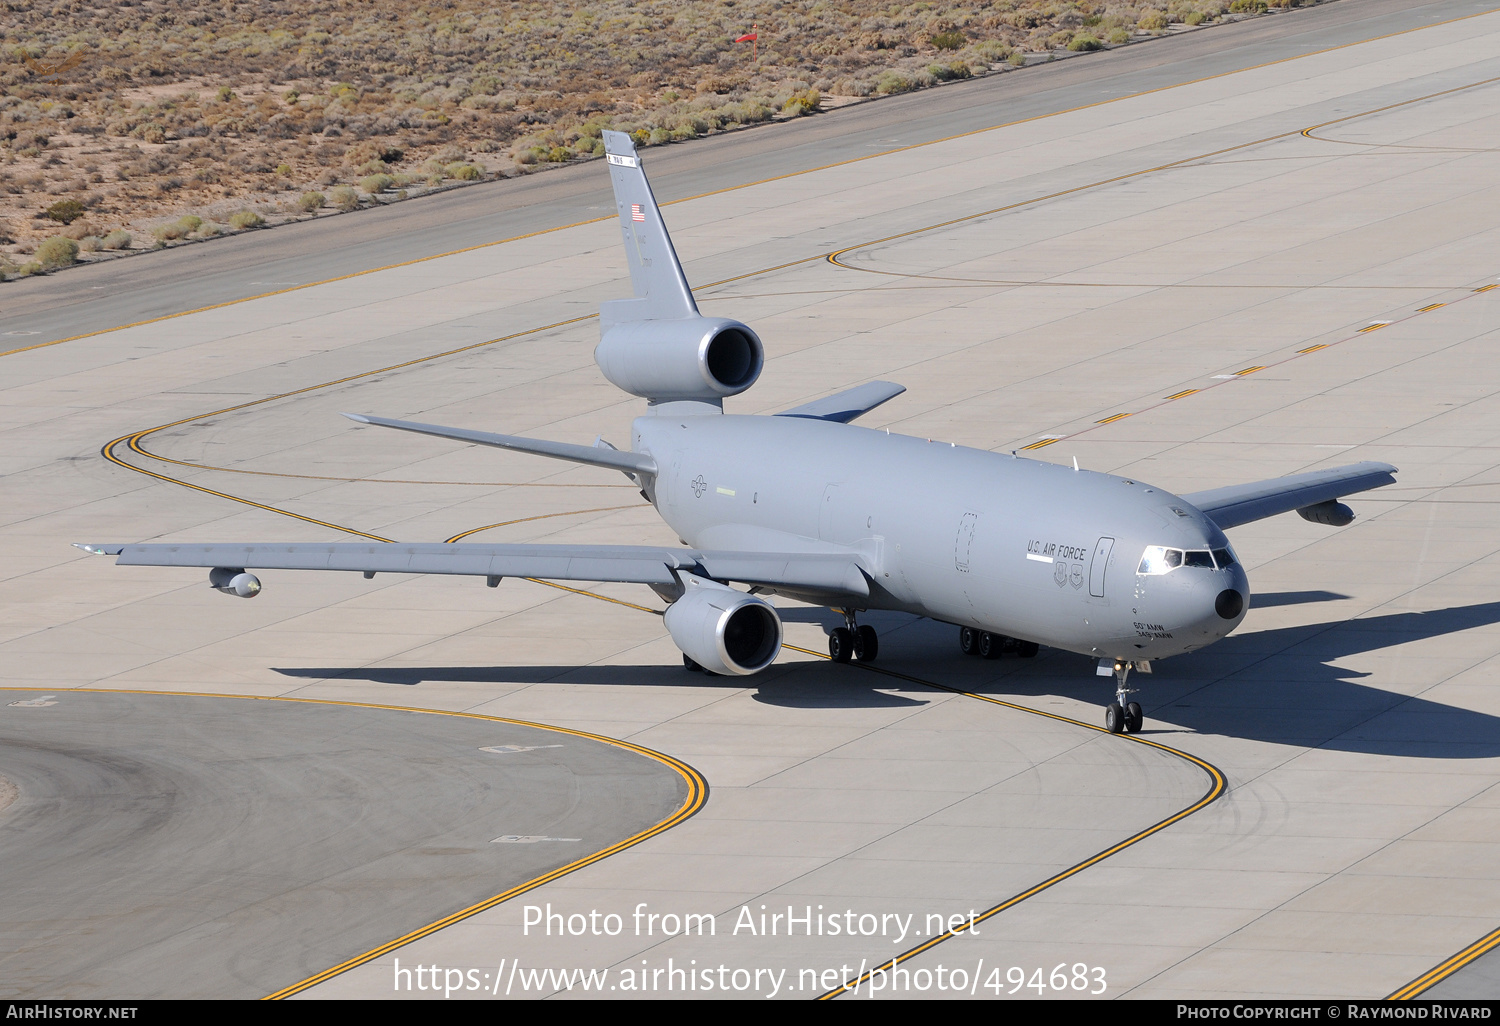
point(359, 418)
point(98, 550)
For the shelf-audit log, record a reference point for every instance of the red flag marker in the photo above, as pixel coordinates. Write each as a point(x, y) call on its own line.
point(751, 37)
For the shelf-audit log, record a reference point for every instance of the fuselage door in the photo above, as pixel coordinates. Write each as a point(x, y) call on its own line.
point(1100, 564)
point(964, 542)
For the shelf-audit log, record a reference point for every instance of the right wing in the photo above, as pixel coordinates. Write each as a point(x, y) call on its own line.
point(1241, 504)
point(833, 573)
point(842, 407)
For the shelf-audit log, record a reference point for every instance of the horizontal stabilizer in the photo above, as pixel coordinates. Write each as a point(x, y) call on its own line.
point(637, 465)
point(848, 404)
point(836, 574)
point(1241, 504)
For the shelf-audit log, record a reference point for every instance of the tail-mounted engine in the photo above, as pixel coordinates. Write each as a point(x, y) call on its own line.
point(723, 630)
point(701, 358)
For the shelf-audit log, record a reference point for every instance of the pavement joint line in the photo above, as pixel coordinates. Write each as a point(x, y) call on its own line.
point(697, 798)
point(1480, 947)
point(1218, 787)
point(541, 516)
point(1270, 366)
point(833, 257)
point(763, 181)
point(1494, 938)
point(134, 440)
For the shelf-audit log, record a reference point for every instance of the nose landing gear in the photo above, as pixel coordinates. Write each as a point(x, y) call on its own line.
point(1120, 716)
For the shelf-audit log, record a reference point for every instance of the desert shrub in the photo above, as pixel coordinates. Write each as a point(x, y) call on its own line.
point(311, 201)
point(375, 183)
point(89, 243)
point(209, 230)
point(67, 211)
point(470, 173)
point(950, 72)
point(1085, 43)
point(950, 40)
point(116, 240)
point(284, 169)
point(1156, 21)
point(225, 94)
point(178, 229)
point(1017, 59)
point(1119, 35)
point(57, 252)
point(29, 268)
point(893, 82)
point(993, 50)
point(344, 198)
point(803, 102)
point(245, 219)
point(1247, 7)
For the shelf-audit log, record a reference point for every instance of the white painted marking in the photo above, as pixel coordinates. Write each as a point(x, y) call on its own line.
point(1039, 437)
point(512, 749)
point(23, 332)
point(36, 703)
point(530, 839)
point(725, 491)
point(615, 158)
point(1039, 559)
point(1224, 377)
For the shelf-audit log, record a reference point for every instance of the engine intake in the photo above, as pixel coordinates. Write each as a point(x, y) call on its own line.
point(703, 358)
point(723, 630)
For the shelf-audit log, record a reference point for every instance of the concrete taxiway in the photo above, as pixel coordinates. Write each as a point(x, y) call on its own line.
point(1282, 267)
point(164, 846)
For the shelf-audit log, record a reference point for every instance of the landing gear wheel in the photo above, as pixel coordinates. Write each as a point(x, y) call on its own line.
point(687, 661)
point(1027, 649)
point(1114, 718)
point(866, 643)
point(990, 645)
point(1133, 718)
point(841, 645)
point(968, 641)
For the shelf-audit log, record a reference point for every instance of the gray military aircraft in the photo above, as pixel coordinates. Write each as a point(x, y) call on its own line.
point(1015, 552)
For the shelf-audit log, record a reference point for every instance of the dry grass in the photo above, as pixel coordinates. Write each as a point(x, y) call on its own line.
point(142, 111)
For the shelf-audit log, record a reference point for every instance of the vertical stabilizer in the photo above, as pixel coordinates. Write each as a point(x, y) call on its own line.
point(661, 289)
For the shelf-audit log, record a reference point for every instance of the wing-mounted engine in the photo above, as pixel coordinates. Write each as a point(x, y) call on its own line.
point(723, 630)
point(702, 358)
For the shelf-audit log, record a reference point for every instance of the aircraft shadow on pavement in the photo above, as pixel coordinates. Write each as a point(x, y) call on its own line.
point(1281, 685)
point(785, 685)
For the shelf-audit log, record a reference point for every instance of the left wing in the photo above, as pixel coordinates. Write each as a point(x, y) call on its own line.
point(1314, 495)
point(831, 573)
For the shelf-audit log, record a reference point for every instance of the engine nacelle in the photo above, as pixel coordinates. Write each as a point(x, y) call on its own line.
point(234, 581)
point(723, 630)
point(1333, 513)
point(703, 358)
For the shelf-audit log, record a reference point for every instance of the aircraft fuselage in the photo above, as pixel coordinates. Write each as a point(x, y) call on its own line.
point(1014, 546)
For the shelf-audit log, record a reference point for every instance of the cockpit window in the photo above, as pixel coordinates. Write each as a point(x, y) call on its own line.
point(1158, 559)
point(1155, 560)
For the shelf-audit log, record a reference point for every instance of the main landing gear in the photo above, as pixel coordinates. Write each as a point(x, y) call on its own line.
point(853, 641)
point(1120, 716)
point(989, 646)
